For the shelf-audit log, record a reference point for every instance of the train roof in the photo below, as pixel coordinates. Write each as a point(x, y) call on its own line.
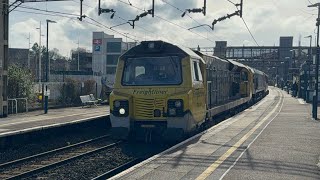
point(256, 71)
point(237, 63)
point(234, 65)
point(216, 57)
point(189, 52)
point(166, 48)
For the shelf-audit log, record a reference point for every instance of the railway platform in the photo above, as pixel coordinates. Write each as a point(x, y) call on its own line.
point(37, 120)
point(274, 139)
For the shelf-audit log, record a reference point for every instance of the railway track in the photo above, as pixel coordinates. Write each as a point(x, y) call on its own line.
point(32, 165)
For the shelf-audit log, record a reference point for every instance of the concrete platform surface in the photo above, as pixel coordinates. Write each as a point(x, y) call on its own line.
point(24, 122)
point(274, 139)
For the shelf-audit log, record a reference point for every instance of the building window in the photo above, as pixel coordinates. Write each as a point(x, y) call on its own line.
point(114, 47)
point(112, 59)
point(111, 70)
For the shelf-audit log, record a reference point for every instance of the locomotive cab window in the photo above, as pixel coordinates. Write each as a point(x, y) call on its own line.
point(244, 76)
point(148, 71)
point(196, 74)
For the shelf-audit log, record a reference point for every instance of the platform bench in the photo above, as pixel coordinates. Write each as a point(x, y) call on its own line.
point(87, 101)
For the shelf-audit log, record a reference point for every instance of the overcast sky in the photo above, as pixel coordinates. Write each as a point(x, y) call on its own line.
point(267, 20)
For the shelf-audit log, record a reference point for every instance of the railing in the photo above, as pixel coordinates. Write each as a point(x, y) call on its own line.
point(25, 99)
point(14, 104)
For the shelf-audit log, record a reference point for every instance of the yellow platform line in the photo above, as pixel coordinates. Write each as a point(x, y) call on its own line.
point(222, 158)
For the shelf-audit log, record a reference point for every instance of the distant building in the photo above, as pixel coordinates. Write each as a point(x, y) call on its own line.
point(18, 56)
point(220, 49)
point(106, 49)
point(286, 52)
point(21, 57)
point(59, 65)
point(85, 61)
point(62, 68)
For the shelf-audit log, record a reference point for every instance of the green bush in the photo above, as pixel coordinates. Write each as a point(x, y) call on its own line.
point(89, 87)
point(70, 92)
point(20, 83)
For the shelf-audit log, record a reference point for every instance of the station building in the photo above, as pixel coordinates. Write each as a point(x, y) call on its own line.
point(106, 50)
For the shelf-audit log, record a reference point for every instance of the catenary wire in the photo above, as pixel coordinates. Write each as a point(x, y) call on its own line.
point(123, 34)
point(56, 13)
point(205, 27)
point(247, 27)
point(120, 18)
point(310, 2)
point(173, 6)
point(172, 23)
point(249, 31)
point(82, 3)
point(43, 10)
point(231, 2)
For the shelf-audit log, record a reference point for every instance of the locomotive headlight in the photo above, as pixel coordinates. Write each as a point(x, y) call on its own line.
point(178, 104)
point(175, 108)
point(120, 108)
point(122, 111)
point(117, 104)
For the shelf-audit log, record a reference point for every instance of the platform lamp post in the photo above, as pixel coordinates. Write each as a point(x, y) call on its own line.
point(293, 65)
point(275, 71)
point(309, 64)
point(287, 74)
point(315, 94)
point(282, 73)
point(47, 69)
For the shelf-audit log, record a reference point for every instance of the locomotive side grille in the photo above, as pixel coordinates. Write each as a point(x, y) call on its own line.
point(144, 108)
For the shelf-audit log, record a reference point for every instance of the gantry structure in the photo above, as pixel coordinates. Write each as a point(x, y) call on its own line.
point(281, 63)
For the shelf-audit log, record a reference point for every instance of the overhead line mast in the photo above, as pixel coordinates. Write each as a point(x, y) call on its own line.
point(81, 15)
point(197, 10)
point(236, 13)
point(100, 10)
point(150, 11)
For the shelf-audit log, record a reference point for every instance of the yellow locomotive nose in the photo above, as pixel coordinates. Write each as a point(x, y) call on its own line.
point(172, 90)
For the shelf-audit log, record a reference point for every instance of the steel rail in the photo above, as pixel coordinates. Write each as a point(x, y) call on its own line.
point(52, 165)
point(51, 151)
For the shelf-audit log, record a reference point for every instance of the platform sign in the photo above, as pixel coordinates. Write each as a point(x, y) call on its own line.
point(97, 41)
point(97, 48)
point(47, 92)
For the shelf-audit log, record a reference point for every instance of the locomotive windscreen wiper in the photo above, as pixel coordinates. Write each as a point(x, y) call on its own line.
point(175, 64)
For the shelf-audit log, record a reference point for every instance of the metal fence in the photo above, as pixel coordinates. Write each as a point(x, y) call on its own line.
point(17, 105)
